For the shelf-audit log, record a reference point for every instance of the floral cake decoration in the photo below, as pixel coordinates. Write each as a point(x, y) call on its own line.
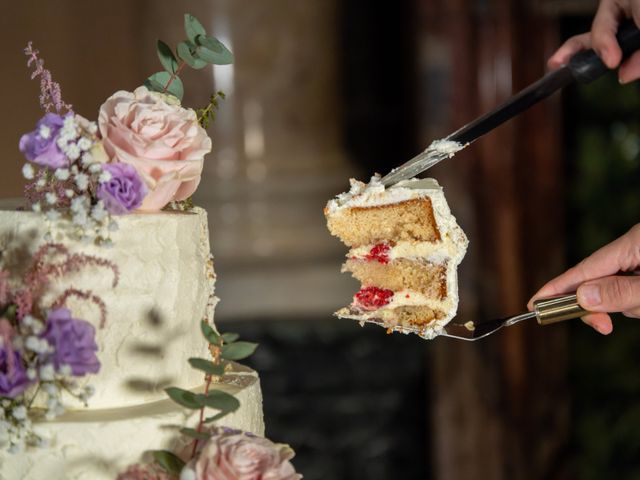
point(145, 151)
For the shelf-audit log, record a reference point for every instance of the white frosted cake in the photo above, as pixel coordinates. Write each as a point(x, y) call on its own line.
point(405, 250)
point(152, 328)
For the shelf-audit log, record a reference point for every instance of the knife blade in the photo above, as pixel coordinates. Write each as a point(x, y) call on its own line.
point(583, 67)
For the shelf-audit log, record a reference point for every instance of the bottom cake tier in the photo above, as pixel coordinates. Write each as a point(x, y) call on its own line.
point(99, 444)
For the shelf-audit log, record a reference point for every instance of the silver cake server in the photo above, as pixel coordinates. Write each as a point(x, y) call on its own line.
point(546, 311)
point(583, 67)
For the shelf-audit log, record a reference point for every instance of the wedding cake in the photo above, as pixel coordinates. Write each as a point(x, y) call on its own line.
point(110, 362)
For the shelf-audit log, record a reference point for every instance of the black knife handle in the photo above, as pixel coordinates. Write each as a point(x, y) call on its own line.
point(586, 66)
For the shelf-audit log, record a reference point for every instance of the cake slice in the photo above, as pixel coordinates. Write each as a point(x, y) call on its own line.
point(405, 250)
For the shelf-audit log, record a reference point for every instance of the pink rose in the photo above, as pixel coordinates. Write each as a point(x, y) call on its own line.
point(160, 139)
point(235, 455)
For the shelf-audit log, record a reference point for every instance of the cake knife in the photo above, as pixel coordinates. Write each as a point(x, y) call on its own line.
point(546, 311)
point(583, 67)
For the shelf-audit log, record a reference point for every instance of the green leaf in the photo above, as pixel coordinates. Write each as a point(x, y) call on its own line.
point(238, 350)
point(158, 83)
point(230, 337)
point(219, 400)
point(209, 333)
point(215, 417)
point(207, 366)
point(212, 50)
point(167, 58)
point(193, 27)
point(169, 461)
point(184, 397)
point(184, 52)
point(193, 433)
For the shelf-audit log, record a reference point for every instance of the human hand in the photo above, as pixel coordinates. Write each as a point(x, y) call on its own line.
point(598, 287)
point(602, 38)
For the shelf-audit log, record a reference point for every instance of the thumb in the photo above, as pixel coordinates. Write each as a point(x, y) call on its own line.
point(610, 294)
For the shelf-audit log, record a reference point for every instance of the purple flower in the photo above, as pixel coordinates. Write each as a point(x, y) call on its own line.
point(125, 190)
point(13, 376)
point(41, 147)
point(73, 342)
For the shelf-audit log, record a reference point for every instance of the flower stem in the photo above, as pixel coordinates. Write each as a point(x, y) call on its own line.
point(215, 352)
point(174, 75)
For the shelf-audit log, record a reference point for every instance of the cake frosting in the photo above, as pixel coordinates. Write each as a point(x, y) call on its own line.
point(440, 251)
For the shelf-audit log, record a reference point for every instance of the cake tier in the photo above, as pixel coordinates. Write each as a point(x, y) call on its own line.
point(421, 276)
point(418, 319)
point(153, 315)
point(99, 444)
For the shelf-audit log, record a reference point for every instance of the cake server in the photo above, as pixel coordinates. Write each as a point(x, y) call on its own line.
point(546, 311)
point(583, 67)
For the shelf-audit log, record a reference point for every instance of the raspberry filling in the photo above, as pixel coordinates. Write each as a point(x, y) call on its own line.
point(372, 298)
point(379, 252)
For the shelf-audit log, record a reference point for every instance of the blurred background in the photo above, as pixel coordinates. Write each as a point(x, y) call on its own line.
point(323, 90)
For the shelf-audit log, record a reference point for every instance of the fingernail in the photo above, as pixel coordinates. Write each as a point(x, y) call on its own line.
point(603, 329)
point(589, 295)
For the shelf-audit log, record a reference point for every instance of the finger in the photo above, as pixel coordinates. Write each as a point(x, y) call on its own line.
point(600, 322)
point(610, 294)
point(569, 49)
point(610, 259)
point(632, 313)
point(630, 69)
point(603, 32)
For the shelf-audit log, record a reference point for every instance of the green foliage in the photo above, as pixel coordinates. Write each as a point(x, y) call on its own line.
point(207, 366)
point(198, 51)
point(230, 337)
point(207, 114)
point(168, 461)
point(219, 400)
point(209, 333)
point(238, 350)
point(165, 82)
point(166, 57)
point(193, 433)
point(184, 397)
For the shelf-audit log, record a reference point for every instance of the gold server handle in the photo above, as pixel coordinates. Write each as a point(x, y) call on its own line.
point(558, 309)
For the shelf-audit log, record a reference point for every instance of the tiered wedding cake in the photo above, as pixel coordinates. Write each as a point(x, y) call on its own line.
point(165, 289)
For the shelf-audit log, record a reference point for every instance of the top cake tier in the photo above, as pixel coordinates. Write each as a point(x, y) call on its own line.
point(153, 315)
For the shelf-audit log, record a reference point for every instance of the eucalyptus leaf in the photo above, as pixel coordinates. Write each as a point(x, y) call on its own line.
point(212, 50)
point(219, 400)
point(215, 417)
point(184, 52)
point(209, 333)
point(230, 337)
point(238, 350)
point(193, 27)
point(193, 433)
point(158, 83)
point(166, 57)
point(184, 398)
point(169, 461)
point(207, 366)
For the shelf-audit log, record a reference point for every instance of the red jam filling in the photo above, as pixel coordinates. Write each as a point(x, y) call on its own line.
point(379, 252)
point(371, 298)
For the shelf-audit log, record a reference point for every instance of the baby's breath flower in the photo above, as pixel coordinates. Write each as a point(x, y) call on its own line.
point(69, 193)
point(62, 173)
point(82, 181)
point(65, 370)
point(95, 168)
point(93, 128)
point(51, 198)
point(31, 373)
point(19, 412)
point(28, 172)
point(45, 131)
point(41, 183)
point(105, 176)
point(73, 151)
point(36, 207)
point(69, 123)
point(84, 144)
point(47, 372)
point(87, 159)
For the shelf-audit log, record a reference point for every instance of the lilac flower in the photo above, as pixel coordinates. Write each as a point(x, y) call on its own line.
point(13, 376)
point(123, 191)
point(40, 146)
point(73, 342)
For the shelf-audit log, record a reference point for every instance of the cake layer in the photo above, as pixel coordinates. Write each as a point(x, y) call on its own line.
point(99, 444)
point(424, 277)
point(409, 220)
point(154, 313)
point(420, 319)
